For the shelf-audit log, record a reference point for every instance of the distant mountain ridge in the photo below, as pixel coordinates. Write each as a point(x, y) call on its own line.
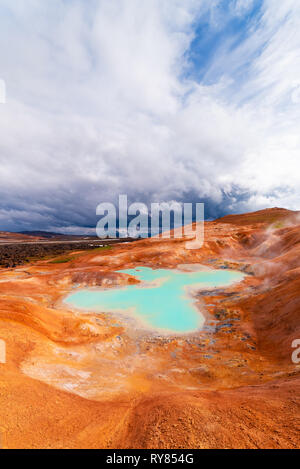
point(53, 235)
point(42, 234)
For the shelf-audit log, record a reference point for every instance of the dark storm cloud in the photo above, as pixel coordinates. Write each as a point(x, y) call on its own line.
point(101, 101)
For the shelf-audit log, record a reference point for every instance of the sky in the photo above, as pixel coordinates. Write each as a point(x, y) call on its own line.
point(162, 100)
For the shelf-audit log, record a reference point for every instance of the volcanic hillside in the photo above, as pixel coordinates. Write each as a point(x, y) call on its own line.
point(81, 379)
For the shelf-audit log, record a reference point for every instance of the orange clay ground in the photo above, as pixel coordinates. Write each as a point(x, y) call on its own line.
point(87, 380)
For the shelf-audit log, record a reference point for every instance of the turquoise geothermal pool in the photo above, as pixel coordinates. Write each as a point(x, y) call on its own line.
point(162, 301)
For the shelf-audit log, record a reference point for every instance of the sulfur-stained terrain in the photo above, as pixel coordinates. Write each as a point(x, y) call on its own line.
point(76, 379)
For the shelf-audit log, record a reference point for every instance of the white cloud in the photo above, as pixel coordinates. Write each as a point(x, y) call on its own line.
point(97, 105)
point(240, 7)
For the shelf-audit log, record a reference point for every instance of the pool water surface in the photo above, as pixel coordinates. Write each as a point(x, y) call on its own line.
point(162, 301)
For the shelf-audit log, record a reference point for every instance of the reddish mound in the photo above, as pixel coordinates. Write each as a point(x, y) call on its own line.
point(6, 237)
point(266, 216)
